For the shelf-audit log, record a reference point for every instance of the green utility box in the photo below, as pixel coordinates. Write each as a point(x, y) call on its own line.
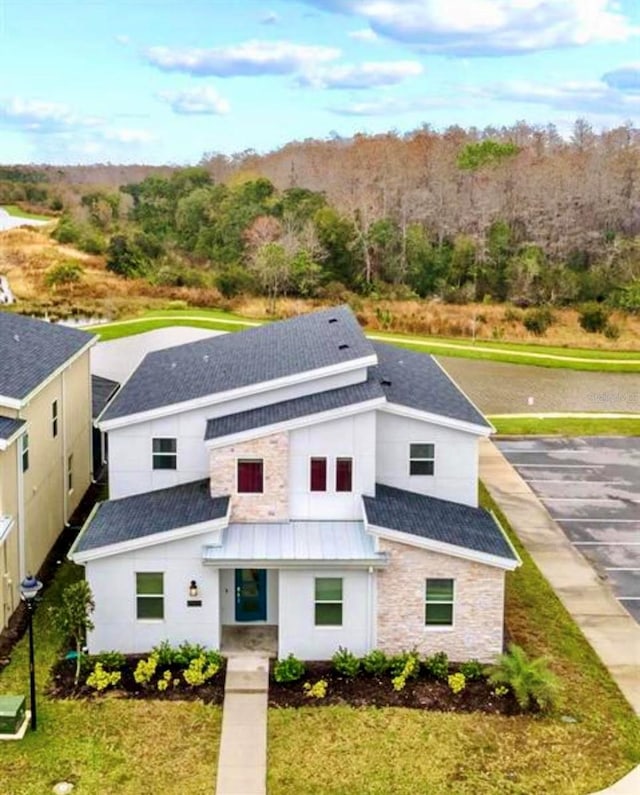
point(12, 712)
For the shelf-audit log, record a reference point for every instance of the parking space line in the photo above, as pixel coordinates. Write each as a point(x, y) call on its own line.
point(581, 499)
point(629, 598)
point(620, 568)
point(571, 482)
point(559, 466)
point(606, 543)
point(565, 450)
point(587, 520)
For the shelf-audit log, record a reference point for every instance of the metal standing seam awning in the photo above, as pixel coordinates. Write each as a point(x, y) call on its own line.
point(295, 544)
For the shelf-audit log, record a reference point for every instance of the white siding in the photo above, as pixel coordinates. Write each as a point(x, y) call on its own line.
point(113, 583)
point(351, 437)
point(228, 602)
point(130, 462)
point(297, 633)
point(456, 459)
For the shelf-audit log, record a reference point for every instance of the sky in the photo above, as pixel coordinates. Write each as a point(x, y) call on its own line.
point(166, 81)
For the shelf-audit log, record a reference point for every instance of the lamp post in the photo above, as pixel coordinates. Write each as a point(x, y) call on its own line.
point(29, 589)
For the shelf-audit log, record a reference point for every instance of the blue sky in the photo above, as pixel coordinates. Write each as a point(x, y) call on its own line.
point(163, 81)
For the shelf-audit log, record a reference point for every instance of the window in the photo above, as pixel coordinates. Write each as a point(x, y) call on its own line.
point(344, 471)
point(439, 603)
point(318, 474)
point(54, 418)
point(250, 476)
point(165, 453)
point(328, 605)
point(422, 459)
point(25, 452)
point(70, 472)
point(150, 595)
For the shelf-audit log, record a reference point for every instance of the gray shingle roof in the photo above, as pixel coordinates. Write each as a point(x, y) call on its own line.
point(31, 350)
point(8, 426)
point(417, 381)
point(102, 389)
point(231, 361)
point(438, 520)
point(293, 409)
point(153, 512)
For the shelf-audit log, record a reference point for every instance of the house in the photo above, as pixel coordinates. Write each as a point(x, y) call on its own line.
point(45, 442)
point(301, 477)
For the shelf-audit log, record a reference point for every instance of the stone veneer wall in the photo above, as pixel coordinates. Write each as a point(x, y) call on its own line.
point(478, 609)
point(273, 504)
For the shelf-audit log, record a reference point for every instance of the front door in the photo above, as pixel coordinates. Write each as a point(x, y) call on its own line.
point(251, 595)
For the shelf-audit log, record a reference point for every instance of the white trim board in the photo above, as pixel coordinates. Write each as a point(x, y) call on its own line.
point(436, 419)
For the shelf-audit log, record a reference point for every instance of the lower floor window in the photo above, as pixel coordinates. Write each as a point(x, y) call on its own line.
point(439, 603)
point(328, 602)
point(150, 594)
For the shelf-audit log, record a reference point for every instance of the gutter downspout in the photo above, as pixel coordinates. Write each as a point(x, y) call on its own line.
point(22, 563)
point(65, 473)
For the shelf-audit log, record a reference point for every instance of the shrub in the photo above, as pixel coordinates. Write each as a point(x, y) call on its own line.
point(398, 662)
point(410, 670)
point(346, 663)
point(163, 682)
point(593, 318)
point(537, 321)
point(64, 273)
point(376, 662)
point(472, 669)
point(612, 331)
point(145, 670)
point(290, 669)
point(438, 665)
point(100, 679)
point(111, 659)
point(318, 690)
point(164, 653)
point(530, 680)
point(200, 671)
point(457, 683)
point(186, 652)
point(512, 315)
point(233, 280)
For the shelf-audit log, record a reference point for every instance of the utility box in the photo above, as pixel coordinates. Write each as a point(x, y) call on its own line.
point(12, 714)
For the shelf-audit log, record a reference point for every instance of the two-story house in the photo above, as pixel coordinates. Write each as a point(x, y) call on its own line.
point(297, 476)
point(45, 442)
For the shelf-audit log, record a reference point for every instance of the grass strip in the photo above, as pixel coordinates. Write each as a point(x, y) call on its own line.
point(567, 426)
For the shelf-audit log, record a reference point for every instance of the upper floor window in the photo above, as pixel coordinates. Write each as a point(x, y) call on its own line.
point(344, 474)
point(250, 476)
point(150, 595)
point(165, 453)
point(422, 459)
point(25, 452)
point(54, 418)
point(439, 603)
point(318, 474)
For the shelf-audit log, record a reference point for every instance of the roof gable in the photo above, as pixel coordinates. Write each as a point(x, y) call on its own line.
point(32, 350)
point(232, 361)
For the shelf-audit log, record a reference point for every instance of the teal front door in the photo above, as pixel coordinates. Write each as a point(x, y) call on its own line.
point(251, 595)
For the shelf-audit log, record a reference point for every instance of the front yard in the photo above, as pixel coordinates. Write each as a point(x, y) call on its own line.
point(109, 744)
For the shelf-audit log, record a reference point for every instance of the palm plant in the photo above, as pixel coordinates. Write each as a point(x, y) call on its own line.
point(530, 680)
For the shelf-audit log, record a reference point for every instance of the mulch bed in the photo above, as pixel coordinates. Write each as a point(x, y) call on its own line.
point(372, 691)
point(63, 673)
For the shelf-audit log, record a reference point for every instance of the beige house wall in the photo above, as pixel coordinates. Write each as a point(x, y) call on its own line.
point(9, 555)
point(273, 504)
point(477, 630)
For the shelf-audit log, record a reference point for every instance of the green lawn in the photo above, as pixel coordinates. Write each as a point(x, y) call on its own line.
point(18, 212)
point(567, 426)
point(539, 355)
point(109, 745)
point(342, 750)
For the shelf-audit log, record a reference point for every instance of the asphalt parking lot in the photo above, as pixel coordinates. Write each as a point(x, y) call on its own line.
point(591, 487)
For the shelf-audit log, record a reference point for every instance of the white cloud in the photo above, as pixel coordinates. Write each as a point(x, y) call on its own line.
point(625, 78)
point(127, 135)
point(364, 34)
point(361, 76)
point(251, 58)
point(390, 106)
point(123, 39)
point(489, 27)
point(204, 100)
point(270, 18)
point(37, 116)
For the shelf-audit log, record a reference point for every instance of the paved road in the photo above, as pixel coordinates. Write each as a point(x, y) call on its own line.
point(591, 487)
point(9, 222)
point(502, 388)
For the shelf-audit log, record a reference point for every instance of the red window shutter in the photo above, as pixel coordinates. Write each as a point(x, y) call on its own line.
point(318, 474)
point(344, 469)
point(250, 477)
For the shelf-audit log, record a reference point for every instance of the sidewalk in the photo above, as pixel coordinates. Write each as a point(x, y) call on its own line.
point(611, 631)
point(242, 761)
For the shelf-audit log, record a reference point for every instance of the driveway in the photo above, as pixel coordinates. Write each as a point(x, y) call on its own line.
point(591, 487)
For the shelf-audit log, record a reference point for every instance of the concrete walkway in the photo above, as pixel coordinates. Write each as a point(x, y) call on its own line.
point(610, 630)
point(242, 760)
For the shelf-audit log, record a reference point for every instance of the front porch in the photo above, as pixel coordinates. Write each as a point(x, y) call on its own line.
point(256, 640)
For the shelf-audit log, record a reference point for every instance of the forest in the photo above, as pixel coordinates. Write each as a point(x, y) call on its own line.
point(518, 214)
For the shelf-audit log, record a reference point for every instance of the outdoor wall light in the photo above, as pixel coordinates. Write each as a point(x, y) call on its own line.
point(193, 589)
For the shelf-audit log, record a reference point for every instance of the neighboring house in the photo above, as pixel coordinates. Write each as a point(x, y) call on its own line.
point(45, 442)
point(299, 476)
point(6, 296)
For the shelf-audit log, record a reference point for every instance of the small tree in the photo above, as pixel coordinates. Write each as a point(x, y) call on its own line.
point(72, 617)
point(530, 680)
